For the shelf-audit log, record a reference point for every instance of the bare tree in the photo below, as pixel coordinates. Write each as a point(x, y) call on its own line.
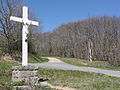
point(96, 38)
point(11, 32)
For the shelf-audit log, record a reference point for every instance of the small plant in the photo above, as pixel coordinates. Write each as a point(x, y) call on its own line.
point(19, 83)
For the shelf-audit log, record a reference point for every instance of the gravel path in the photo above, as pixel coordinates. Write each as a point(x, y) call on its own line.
point(57, 64)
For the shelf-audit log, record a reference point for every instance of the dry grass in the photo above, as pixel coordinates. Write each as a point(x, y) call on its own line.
point(80, 80)
point(86, 63)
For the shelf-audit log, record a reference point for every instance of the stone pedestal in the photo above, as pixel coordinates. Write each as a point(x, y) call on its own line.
point(29, 75)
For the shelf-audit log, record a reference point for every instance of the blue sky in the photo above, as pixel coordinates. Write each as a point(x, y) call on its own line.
point(53, 13)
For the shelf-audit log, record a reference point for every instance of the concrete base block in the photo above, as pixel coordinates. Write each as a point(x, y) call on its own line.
point(29, 75)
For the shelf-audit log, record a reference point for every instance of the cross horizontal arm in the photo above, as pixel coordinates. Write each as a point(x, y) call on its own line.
point(16, 19)
point(34, 23)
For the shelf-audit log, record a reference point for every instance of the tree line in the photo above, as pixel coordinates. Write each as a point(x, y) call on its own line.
point(95, 38)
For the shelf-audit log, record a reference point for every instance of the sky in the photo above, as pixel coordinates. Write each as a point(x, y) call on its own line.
point(53, 13)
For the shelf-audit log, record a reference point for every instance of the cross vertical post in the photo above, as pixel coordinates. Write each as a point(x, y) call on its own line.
point(24, 37)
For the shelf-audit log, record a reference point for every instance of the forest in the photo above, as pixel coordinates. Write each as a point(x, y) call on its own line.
point(94, 38)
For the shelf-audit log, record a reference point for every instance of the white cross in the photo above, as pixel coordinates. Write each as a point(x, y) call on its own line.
point(26, 24)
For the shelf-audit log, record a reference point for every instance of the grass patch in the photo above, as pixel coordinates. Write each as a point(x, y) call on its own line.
point(86, 63)
point(36, 59)
point(32, 58)
point(80, 80)
point(5, 74)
